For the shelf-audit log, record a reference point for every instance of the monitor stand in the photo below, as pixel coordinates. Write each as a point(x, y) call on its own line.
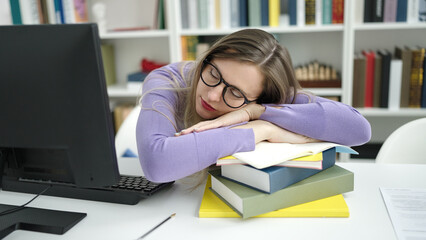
point(38, 220)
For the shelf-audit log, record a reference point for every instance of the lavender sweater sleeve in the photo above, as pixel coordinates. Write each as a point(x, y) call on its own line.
point(165, 157)
point(321, 119)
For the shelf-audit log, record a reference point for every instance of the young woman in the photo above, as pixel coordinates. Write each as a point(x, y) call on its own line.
point(242, 91)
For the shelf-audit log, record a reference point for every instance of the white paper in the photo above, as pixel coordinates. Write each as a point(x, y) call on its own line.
point(407, 211)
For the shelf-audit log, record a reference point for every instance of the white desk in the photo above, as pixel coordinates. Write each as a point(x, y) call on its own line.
point(368, 216)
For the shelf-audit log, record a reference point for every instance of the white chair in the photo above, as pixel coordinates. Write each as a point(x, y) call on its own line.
point(125, 139)
point(407, 144)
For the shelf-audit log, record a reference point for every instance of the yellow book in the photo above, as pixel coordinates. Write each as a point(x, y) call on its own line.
point(274, 13)
point(335, 206)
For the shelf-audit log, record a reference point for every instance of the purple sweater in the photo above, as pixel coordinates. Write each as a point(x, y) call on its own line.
point(165, 157)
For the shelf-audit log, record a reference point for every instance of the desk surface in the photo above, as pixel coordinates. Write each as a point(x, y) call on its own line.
point(368, 216)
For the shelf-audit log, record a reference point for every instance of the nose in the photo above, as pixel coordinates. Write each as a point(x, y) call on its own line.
point(215, 93)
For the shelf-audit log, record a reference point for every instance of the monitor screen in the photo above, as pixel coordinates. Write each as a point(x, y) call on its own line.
point(55, 120)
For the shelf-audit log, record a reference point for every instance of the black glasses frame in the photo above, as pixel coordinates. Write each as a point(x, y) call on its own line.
point(221, 80)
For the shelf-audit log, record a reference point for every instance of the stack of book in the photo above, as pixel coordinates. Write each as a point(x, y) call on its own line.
point(279, 180)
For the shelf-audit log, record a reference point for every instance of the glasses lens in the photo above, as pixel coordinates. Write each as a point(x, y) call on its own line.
point(233, 97)
point(210, 75)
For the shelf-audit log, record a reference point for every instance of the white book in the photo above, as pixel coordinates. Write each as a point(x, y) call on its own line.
point(5, 13)
point(395, 80)
point(193, 14)
point(412, 11)
point(211, 14)
point(29, 11)
point(301, 19)
point(318, 12)
point(203, 14)
point(235, 13)
point(225, 14)
point(51, 11)
point(68, 8)
point(359, 12)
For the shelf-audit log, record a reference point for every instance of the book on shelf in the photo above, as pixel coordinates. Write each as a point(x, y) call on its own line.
point(108, 60)
point(385, 77)
point(274, 13)
point(312, 161)
point(338, 11)
point(412, 11)
point(389, 12)
point(248, 202)
point(310, 12)
point(358, 90)
point(423, 98)
point(377, 80)
point(274, 178)
point(369, 77)
point(395, 80)
point(416, 79)
point(268, 154)
point(401, 11)
point(405, 55)
point(327, 14)
point(335, 206)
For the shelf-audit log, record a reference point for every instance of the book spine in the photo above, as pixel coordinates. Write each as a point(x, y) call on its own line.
point(235, 14)
point(184, 14)
point(389, 14)
point(368, 11)
point(310, 12)
point(16, 12)
point(338, 10)
point(416, 77)
point(378, 11)
point(412, 11)
point(243, 13)
point(405, 56)
point(369, 78)
point(254, 18)
point(225, 14)
point(300, 13)
point(377, 80)
point(358, 82)
point(327, 11)
point(318, 12)
point(385, 74)
point(264, 12)
point(401, 11)
point(202, 14)
point(423, 98)
point(292, 12)
point(274, 13)
point(395, 84)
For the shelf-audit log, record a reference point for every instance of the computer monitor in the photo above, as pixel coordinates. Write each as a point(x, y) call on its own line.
point(55, 122)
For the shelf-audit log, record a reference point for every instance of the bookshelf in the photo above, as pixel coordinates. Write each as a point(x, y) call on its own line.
point(334, 44)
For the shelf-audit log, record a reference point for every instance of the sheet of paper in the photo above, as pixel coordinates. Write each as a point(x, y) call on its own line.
point(407, 211)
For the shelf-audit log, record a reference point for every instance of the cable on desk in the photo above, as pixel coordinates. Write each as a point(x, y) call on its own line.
point(18, 208)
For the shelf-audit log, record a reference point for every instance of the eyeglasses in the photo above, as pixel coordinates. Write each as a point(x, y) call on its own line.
point(232, 96)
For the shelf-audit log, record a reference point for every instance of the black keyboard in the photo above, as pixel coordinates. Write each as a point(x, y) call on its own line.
point(137, 184)
point(129, 190)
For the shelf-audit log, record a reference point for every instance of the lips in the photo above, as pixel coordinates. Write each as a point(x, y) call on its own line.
point(207, 106)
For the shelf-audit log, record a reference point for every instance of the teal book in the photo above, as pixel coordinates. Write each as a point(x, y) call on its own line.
point(16, 12)
point(248, 202)
point(272, 179)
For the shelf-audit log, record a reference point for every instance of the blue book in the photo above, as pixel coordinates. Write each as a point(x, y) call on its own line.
point(292, 11)
point(401, 11)
point(243, 13)
point(59, 12)
point(16, 12)
point(264, 12)
point(272, 179)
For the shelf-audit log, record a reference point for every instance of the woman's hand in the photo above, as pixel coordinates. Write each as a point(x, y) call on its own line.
point(245, 114)
point(266, 131)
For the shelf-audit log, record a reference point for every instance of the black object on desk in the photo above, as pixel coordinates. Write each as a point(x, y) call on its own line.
point(38, 220)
